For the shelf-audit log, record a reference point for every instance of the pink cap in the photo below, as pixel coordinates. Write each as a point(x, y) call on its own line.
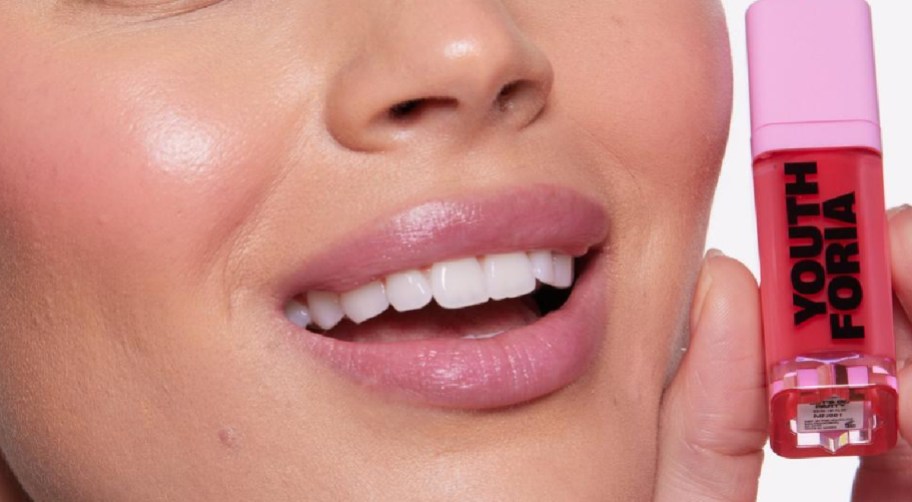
point(812, 78)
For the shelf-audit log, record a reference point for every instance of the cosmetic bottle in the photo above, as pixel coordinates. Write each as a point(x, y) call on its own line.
point(824, 255)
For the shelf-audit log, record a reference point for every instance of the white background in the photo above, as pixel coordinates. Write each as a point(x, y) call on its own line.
point(732, 227)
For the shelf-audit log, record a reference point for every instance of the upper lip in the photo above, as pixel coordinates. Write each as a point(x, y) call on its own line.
point(526, 218)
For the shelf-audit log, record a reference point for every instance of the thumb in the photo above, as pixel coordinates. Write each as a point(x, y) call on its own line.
point(888, 477)
point(714, 413)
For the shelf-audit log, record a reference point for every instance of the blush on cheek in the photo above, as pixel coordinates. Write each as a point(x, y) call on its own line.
point(120, 164)
point(180, 146)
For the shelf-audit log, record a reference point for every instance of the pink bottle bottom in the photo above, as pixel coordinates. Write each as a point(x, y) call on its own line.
point(833, 405)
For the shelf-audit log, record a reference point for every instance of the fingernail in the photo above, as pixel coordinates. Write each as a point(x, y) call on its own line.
point(704, 284)
point(896, 211)
point(713, 253)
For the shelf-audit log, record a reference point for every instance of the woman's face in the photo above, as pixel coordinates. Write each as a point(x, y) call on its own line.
point(174, 173)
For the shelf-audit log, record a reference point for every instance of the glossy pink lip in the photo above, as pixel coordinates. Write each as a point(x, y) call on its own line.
point(517, 366)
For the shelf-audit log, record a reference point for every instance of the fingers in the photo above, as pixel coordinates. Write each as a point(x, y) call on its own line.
point(889, 477)
point(900, 228)
point(885, 478)
point(714, 413)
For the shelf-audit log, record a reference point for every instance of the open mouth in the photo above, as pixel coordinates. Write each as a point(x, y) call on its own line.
point(473, 298)
point(482, 302)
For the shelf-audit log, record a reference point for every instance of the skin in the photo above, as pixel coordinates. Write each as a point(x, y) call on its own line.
point(163, 164)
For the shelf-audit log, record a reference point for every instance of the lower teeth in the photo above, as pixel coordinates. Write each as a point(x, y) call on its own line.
point(483, 336)
point(480, 322)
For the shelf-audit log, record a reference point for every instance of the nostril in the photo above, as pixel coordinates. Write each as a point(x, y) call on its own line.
point(522, 98)
point(405, 110)
point(410, 110)
point(507, 94)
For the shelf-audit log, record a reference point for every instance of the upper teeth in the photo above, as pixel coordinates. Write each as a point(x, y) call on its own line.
point(453, 284)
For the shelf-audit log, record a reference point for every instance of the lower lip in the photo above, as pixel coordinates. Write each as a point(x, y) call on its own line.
point(517, 366)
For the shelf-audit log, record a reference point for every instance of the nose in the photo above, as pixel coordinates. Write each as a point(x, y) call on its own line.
point(439, 70)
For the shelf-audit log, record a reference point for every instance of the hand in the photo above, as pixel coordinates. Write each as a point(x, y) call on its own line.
point(889, 477)
point(714, 415)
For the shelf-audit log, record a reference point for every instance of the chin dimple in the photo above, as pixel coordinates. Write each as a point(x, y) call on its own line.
point(453, 284)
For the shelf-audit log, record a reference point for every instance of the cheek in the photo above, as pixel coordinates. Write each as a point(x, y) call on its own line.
point(653, 89)
point(133, 167)
point(121, 191)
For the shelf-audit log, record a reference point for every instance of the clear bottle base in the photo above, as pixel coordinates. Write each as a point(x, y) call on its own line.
point(833, 405)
